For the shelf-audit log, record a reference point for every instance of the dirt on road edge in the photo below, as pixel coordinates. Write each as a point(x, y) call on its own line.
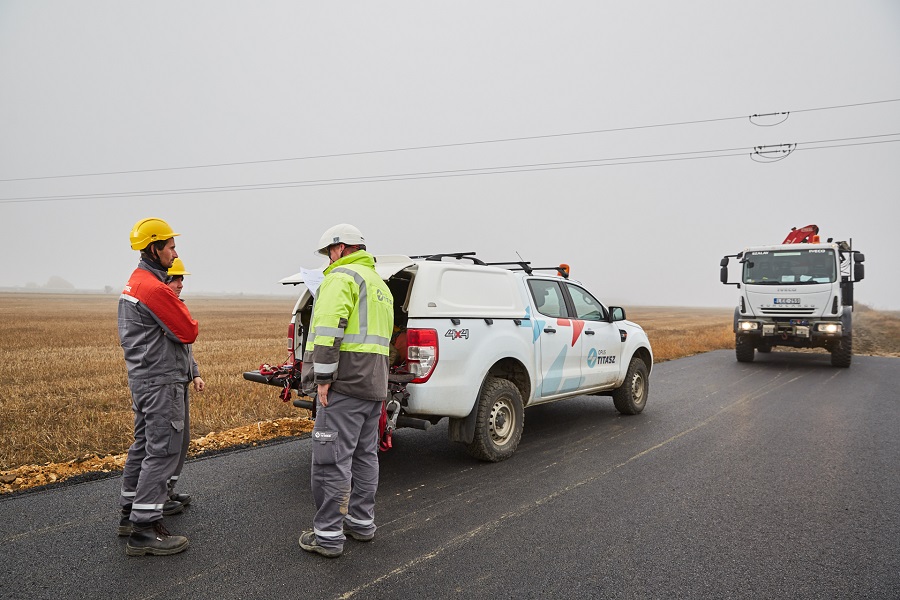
point(29, 477)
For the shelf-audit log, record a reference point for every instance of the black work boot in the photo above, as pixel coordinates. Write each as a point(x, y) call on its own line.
point(185, 499)
point(171, 507)
point(153, 538)
point(125, 520)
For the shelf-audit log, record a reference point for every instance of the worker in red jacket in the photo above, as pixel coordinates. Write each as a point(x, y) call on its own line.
point(155, 331)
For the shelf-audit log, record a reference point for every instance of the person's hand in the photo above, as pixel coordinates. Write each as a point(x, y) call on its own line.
point(323, 393)
point(199, 384)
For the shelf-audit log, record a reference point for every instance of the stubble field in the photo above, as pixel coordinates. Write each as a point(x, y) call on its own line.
point(65, 407)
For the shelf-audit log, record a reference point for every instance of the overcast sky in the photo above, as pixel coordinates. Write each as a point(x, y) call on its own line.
point(107, 107)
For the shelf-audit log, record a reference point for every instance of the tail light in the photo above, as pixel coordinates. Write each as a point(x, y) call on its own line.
point(421, 353)
point(291, 357)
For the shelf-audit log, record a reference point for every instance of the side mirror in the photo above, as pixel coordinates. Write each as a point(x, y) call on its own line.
point(859, 257)
point(859, 271)
point(616, 313)
point(723, 274)
point(723, 262)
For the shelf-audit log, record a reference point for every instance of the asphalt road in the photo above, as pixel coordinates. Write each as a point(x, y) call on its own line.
point(776, 479)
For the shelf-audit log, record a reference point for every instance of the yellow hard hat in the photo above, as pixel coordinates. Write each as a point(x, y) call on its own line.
point(177, 268)
point(150, 230)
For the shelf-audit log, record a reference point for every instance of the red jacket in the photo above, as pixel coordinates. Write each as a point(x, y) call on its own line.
point(155, 328)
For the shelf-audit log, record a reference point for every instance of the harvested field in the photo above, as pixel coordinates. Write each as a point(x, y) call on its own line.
point(64, 401)
point(63, 386)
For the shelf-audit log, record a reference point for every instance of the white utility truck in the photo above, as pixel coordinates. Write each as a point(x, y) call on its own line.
point(484, 342)
point(798, 293)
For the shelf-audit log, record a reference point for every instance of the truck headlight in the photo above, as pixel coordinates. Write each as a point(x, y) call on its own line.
point(748, 325)
point(829, 327)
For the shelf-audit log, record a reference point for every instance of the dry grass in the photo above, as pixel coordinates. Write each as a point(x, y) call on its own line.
point(63, 385)
point(679, 332)
point(876, 332)
point(63, 388)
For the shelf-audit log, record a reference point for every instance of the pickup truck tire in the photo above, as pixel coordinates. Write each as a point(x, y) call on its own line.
point(842, 352)
point(631, 397)
point(499, 421)
point(743, 348)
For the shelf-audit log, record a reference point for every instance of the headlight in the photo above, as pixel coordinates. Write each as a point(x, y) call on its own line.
point(829, 327)
point(748, 325)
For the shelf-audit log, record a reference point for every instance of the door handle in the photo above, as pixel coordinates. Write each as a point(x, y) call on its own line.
point(549, 330)
point(588, 332)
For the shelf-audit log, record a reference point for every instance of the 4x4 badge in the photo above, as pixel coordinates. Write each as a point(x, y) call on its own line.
point(456, 334)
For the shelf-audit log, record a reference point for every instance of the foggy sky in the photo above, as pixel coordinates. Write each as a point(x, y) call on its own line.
point(426, 92)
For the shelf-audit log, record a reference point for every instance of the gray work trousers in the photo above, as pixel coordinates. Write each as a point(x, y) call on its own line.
point(159, 420)
point(344, 467)
point(185, 441)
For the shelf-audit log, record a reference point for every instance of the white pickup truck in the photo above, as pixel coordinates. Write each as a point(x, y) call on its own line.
point(485, 341)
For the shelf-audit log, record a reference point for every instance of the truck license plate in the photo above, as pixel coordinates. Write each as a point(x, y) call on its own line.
point(787, 300)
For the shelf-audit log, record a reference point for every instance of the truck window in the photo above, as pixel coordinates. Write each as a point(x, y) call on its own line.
point(548, 298)
point(793, 266)
point(587, 307)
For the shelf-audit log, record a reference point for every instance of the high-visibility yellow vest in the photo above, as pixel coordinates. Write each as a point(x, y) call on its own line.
point(352, 323)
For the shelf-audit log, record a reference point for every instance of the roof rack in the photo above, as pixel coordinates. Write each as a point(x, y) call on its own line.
point(562, 270)
point(456, 255)
point(521, 265)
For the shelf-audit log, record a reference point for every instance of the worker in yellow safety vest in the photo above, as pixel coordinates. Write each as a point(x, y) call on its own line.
point(345, 370)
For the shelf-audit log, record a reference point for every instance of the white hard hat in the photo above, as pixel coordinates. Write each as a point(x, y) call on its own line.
point(343, 233)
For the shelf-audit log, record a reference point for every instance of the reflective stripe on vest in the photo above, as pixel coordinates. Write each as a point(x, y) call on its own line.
point(361, 338)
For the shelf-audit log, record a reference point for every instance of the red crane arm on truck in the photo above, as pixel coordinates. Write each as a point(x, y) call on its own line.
point(803, 235)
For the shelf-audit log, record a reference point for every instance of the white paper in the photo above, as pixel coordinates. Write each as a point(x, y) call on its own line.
point(312, 278)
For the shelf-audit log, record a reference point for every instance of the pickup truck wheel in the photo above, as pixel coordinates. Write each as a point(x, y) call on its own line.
point(631, 397)
point(743, 349)
point(842, 352)
point(499, 421)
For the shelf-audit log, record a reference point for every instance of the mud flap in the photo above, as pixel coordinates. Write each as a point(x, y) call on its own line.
point(462, 430)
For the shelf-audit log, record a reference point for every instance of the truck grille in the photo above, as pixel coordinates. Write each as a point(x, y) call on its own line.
point(787, 310)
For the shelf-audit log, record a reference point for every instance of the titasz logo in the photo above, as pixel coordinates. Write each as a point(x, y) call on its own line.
point(324, 435)
point(598, 357)
point(382, 297)
point(457, 334)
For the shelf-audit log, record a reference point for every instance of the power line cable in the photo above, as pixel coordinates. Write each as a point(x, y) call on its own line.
point(437, 146)
point(495, 170)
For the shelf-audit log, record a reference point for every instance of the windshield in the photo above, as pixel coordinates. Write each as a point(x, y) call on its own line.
point(768, 267)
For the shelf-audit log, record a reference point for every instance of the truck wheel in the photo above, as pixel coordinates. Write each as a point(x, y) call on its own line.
point(498, 422)
point(842, 352)
point(631, 397)
point(743, 349)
